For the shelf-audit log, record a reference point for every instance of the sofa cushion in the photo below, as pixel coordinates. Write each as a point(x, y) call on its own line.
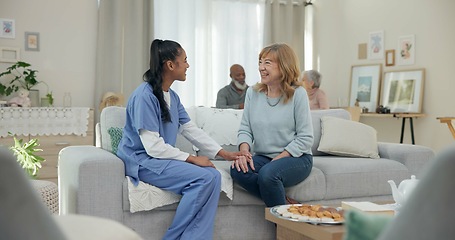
point(112, 116)
point(115, 134)
point(221, 125)
point(358, 177)
point(311, 189)
point(316, 116)
point(347, 138)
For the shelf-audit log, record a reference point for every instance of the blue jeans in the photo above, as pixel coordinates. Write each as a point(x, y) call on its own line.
point(270, 178)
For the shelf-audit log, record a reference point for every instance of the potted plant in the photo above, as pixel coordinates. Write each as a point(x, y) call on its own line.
point(26, 155)
point(23, 77)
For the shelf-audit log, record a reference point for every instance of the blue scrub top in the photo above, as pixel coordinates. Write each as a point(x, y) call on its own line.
point(144, 112)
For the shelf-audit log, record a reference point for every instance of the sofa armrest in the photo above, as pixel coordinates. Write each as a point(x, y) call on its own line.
point(90, 182)
point(414, 157)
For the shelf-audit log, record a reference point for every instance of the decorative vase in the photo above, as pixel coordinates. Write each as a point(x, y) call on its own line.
point(67, 100)
point(45, 102)
point(34, 97)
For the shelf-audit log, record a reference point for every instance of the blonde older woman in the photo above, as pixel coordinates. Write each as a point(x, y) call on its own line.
point(276, 123)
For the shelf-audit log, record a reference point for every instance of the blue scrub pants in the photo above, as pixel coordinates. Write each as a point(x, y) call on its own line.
point(200, 189)
point(270, 178)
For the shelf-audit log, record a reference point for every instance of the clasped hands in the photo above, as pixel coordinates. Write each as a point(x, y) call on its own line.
point(240, 160)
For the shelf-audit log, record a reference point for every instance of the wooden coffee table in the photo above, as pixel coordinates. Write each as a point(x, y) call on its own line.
point(290, 230)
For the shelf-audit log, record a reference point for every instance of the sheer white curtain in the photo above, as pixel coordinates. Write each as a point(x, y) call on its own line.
point(125, 30)
point(215, 34)
point(285, 23)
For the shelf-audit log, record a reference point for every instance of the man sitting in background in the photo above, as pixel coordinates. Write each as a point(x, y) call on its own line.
point(233, 95)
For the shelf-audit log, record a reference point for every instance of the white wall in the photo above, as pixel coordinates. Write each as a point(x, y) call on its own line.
point(66, 60)
point(343, 24)
point(68, 41)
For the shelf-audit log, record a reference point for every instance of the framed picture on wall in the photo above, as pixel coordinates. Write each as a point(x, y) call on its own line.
point(390, 57)
point(365, 85)
point(376, 45)
point(31, 41)
point(406, 50)
point(7, 28)
point(402, 91)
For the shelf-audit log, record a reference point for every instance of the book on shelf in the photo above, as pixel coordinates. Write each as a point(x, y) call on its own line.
point(369, 207)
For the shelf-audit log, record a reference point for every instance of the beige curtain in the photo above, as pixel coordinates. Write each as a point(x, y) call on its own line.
point(125, 31)
point(285, 23)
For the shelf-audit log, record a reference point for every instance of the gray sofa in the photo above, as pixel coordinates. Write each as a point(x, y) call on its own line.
point(92, 179)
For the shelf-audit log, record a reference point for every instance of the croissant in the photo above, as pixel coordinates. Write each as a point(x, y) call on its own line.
point(315, 212)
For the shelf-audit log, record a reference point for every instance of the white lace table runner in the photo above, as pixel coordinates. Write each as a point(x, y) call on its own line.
point(44, 121)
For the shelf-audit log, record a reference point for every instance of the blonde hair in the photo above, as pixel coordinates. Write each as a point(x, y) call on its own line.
point(112, 99)
point(288, 64)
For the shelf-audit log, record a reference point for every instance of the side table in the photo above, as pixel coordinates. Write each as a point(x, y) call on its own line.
point(448, 121)
point(48, 193)
point(289, 230)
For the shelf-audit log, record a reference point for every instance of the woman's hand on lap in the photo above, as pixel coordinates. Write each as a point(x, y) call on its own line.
point(201, 161)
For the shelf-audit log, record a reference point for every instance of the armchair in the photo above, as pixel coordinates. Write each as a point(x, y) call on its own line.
point(24, 216)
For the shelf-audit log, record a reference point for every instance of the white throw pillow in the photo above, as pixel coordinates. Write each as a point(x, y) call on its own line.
point(347, 138)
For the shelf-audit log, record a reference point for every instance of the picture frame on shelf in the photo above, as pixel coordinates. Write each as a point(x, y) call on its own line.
point(376, 45)
point(362, 51)
point(402, 91)
point(365, 86)
point(390, 57)
point(7, 28)
point(32, 41)
point(10, 54)
point(406, 50)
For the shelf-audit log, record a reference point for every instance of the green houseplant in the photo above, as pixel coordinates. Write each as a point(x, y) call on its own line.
point(26, 155)
point(23, 77)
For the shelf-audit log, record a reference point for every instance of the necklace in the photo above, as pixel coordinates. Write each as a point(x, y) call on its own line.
point(274, 104)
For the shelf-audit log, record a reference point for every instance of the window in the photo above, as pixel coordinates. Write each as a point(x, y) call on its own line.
point(215, 34)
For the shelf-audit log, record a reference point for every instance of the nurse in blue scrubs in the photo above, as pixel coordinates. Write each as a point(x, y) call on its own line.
point(154, 116)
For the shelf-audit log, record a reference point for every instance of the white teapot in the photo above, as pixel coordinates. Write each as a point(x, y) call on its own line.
point(403, 191)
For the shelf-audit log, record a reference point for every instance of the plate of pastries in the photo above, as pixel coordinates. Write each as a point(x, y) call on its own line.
point(315, 214)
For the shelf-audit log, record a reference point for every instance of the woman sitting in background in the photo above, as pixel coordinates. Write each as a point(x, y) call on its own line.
point(311, 81)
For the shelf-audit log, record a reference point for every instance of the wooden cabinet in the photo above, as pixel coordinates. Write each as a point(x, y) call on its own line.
point(9, 141)
point(51, 146)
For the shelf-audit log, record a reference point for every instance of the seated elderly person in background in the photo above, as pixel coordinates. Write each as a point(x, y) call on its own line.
point(233, 95)
point(311, 81)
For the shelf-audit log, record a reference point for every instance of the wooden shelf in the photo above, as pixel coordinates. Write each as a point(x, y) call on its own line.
point(404, 116)
point(393, 115)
